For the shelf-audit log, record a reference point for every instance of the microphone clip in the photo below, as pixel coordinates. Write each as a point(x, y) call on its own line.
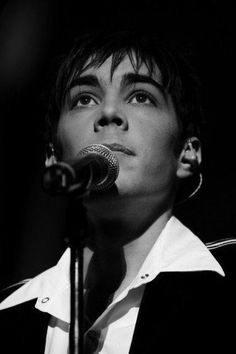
point(60, 179)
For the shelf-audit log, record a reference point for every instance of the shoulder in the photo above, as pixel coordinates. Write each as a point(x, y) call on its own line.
point(22, 326)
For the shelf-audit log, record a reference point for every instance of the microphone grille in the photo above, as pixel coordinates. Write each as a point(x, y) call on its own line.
point(108, 162)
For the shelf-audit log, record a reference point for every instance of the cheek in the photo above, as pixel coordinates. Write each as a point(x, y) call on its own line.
point(157, 149)
point(159, 140)
point(71, 137)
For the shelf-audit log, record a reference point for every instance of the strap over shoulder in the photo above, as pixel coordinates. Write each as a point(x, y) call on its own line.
point(224, 250)
point(221, 243)
point(5, 292)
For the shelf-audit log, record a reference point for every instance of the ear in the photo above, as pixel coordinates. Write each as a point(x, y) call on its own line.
point(190, 158)
point(50, 155)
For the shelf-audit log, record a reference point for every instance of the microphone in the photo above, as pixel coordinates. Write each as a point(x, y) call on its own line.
point(95, 168)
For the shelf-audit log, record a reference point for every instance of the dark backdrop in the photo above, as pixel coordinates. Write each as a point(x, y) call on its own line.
point(33, 36)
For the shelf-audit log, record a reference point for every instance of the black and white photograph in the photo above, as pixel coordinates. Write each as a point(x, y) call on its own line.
point(118, 232)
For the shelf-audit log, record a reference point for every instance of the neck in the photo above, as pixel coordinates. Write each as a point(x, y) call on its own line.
point(120, 236)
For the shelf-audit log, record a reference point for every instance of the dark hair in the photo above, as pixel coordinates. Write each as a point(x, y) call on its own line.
point(178, 76)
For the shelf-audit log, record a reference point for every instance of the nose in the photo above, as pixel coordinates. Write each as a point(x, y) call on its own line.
point(111, 116)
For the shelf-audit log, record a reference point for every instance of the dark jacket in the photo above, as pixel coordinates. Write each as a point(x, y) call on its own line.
point(185, 312)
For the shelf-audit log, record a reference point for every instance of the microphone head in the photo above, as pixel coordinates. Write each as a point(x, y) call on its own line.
point(108, 165)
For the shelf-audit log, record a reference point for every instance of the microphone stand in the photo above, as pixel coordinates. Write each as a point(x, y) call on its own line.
point(76, 237)
point(58, 180)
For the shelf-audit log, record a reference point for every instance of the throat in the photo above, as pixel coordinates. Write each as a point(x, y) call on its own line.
point(115, 223)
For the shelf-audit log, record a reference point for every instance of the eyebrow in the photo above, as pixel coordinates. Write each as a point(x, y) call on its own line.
point(87, 80)
point(127, 80)
point(133, 78)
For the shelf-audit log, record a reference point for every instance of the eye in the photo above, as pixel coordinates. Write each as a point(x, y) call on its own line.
point(141, 98)
point(86, 100)
point(83, 100)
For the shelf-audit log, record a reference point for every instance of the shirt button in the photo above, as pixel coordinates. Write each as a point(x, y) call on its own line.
point(144, 276)
point(46, 299)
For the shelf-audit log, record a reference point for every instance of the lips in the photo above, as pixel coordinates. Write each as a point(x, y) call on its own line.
point(119, 148)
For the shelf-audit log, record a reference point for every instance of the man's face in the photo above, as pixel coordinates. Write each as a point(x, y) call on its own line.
point(132, 114)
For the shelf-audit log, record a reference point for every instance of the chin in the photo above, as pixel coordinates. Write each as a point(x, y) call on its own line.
point(117, 192)
point(124, 187)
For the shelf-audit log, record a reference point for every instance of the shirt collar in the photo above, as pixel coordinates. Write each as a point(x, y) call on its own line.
point(50, 288)
point(177, 249)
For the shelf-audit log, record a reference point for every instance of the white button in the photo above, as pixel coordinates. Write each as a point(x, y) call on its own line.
point(46, 299)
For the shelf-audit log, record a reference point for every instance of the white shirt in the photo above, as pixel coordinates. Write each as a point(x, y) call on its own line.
point(176, 249)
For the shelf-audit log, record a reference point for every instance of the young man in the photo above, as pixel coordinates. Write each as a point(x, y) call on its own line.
point(151, 286)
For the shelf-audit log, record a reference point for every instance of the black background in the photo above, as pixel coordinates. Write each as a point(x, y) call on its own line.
point(33, 36)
